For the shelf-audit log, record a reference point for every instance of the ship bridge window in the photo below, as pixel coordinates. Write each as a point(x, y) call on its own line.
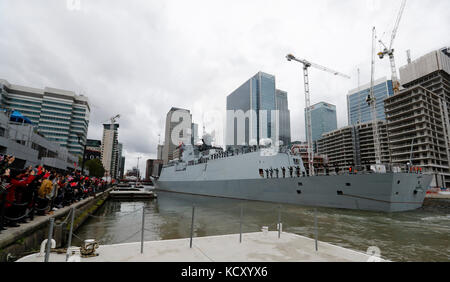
point(348, 184)
point(299, 192)
point(300, 184)
point(340, 193)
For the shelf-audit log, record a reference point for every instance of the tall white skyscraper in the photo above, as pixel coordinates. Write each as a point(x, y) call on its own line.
point(110, 149)
point(174, 120)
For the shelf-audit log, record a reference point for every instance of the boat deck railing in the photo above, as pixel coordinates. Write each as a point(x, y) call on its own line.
point(190, 213)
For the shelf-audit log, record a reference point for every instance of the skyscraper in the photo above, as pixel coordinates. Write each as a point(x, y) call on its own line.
point(120, 166)
point(251, 112)
point(59, 115)
point(323, 120)
point(194, 136)
point(176, 119)
point(358, 109)
point(284, 116)
point(110, 149)
point(160, 150)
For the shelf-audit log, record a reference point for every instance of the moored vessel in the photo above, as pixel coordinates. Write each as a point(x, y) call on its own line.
point(278, 175)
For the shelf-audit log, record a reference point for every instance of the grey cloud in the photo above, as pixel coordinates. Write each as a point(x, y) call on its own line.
point(139, 58)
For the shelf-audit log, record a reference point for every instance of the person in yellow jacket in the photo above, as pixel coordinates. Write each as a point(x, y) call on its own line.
point(45, 189)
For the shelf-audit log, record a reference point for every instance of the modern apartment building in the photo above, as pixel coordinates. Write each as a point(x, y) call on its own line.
point(110, 150)
point(59, 115)
point(358, 109)
point(353, 146)
point(323, 120)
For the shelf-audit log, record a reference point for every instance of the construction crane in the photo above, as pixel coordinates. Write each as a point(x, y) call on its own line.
point(112, 119)
point(371, 100)
point(389, 51)
point(306, 65)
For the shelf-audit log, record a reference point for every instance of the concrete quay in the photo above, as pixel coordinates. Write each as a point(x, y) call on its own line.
point(15, 241)
point(441, 195)
point(255, 247)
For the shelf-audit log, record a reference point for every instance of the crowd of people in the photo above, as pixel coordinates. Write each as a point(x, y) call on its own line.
point(32, 191)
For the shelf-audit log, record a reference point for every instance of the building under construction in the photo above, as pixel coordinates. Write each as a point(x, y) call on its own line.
point(418, 116)
point(416, 130)
point(353, 147)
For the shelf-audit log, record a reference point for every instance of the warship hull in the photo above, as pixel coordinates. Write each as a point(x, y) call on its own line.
point(391, 192)
point(242, 177)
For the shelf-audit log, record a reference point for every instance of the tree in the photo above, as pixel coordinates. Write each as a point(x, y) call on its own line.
point(95, 168)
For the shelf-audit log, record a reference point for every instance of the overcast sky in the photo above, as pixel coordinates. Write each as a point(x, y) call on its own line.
point(140, 58)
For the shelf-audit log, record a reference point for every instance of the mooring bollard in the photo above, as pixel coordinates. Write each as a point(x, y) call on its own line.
point(279, 222)
point(315, 228)
point(70, 232)
point(49, 241)
point(240, 224)
point(192, 226)
point(142, 231)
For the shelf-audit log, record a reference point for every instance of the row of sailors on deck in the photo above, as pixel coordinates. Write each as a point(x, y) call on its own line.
point(270, 172)
point(226, 154)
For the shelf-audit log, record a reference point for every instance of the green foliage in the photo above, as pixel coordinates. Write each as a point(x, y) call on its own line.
point(95, 168)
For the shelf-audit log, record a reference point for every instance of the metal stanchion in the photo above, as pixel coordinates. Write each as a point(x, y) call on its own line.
point(2, 211)
point(49, 240)
point(70, 233)
point(192, 225)
point(315, 228)
point(142, 230)
point(240, 224)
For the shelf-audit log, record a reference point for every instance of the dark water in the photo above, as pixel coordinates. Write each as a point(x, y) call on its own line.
point(421, 235)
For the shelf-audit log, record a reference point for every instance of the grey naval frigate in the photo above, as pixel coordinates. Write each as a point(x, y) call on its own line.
point(279, 176)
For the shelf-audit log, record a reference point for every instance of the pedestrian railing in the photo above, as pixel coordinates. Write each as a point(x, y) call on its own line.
point(14, 213)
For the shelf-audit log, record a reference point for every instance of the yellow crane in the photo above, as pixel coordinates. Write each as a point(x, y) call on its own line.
point(112, 119)
point(390, 51)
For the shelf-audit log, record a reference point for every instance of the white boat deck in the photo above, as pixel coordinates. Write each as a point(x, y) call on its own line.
point(255, 247)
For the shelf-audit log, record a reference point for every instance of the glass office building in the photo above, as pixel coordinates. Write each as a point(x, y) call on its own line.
point(359, 110)
point(284, 116)
point(323, 120)
point(250, 111)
